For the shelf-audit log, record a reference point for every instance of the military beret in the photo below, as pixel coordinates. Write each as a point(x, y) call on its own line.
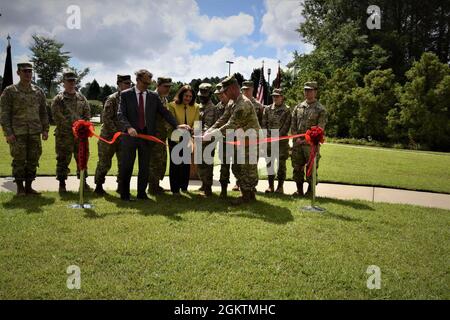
point(228, 81)
point(277, 92)
point(24, 66)
point(247, 84)
point(123, 77)
point(310, 85)
point(204, 89)
point(164, 80)
point(69, 75)
point(218, 88)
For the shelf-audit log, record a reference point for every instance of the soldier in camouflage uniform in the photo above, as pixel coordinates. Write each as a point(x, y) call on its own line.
point(110, 126)
point(158, 153)
point(277, 116)
point(243, 116)
point(24, 118)
point(247, 90)
point(224, 113)
point(209, 114)
point(307, 114)
point(68, 106)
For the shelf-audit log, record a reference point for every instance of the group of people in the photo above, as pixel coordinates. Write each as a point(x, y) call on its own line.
point(136, 110)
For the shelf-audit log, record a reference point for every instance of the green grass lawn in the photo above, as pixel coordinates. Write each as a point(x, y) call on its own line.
point(416, 170)
point(204, 249)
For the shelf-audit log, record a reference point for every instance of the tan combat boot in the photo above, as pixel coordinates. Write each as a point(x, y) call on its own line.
point(29, 189)
point(20, 188)
point(280, 187)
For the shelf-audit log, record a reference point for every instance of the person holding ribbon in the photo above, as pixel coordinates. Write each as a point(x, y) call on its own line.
point(186, 111)
point(137, 115)
point(307, 114)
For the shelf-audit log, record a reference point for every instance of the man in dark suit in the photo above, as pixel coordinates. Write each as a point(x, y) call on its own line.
point(137, 114)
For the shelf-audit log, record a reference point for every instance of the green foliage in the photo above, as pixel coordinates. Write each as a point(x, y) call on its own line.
point(373, 102)
point(96, 107)
point(94, 91)
point(49, 59)
point(423, 115)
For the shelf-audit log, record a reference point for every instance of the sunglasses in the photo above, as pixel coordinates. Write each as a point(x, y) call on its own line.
point(27, 71)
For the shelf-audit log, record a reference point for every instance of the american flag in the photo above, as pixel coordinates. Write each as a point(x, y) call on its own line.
point(260, 94)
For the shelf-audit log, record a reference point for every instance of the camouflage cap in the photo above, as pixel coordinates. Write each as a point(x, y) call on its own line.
point(219, 88)
point(123, 77)
point(228, 81)
point(69, 75)
point(277, 92)
point(24, 66)
point(310, 85)
point(204, 89)
point(165, 81)
point(247, 84)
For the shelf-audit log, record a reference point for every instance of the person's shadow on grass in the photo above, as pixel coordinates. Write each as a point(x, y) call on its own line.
point(173, 207)
point(29, 203)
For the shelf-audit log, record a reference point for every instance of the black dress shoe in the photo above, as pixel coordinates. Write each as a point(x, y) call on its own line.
point(127, 198)
point(143, 197)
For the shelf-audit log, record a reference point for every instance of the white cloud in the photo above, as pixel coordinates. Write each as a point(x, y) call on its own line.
point(280, 22)
point(224, 30)
point(125, 36)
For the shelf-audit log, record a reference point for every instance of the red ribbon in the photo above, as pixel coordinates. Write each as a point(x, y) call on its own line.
point(314, 137)
point(82, 130)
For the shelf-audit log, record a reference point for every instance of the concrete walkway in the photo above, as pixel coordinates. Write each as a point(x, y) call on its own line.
point(336, 191)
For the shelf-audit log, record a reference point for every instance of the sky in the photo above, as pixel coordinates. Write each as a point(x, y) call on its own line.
point(182, 39)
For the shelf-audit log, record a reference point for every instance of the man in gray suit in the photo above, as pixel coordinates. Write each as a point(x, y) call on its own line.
point(137, 114)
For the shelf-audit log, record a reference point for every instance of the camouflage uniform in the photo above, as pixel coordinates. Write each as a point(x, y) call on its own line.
point(243, 116)
point(223, 113)
point(158, 162)
point(208, 116)
point(66, 109)
point(259, 109)
point(24, 115)
point(304, 116)
point(106, 151)
point(277, 117)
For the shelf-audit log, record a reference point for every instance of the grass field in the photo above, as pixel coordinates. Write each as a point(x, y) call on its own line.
point(416, 170)
point(191, 249)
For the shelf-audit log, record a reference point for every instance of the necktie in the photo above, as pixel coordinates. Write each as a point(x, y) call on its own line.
point(141, 121)
point(185, 114)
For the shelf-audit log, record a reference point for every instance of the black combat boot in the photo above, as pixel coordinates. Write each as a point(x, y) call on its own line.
point(29, 189)
point(99, 189)
point(62, 186)
point(280, 187)
point(244, 198)
point(299, 192)
point(223, 192)
point(20, 188)
point(271, 188)
point(207, 191)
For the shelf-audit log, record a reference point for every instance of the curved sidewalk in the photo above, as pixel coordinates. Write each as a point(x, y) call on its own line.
point(336, 191)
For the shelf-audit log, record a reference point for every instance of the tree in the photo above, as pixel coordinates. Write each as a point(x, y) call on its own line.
point(374, 101)
point(105, 92)
point(49, 60)
point(423, 113)
point(93, 93)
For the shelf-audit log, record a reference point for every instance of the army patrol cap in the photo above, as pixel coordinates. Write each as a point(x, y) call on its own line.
point(247, 85)
point(164, 81)
point(69, 75)
point(204, 90)
point(24, 66)
point(219, 88)
point(228, 81)
point(123, 78)
point(310, 85)
point(277, 92)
